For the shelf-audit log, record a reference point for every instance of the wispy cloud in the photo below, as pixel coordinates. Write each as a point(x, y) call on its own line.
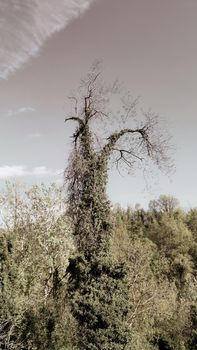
point(25, 25)
point(21, 110)
point(7, 171)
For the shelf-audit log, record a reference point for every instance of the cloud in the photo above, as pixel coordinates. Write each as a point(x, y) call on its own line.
point(43, 171)
point(25, 26)
point(21, 110)
point(35, 135)
point(7, 171)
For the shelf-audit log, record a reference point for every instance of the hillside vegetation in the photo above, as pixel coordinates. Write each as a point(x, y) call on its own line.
point(158, 247)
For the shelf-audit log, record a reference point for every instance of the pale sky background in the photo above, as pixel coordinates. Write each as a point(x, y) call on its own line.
point(47, 46)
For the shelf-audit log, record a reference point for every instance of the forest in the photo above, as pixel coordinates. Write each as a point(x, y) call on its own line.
point(158, 246)
point(78, 273)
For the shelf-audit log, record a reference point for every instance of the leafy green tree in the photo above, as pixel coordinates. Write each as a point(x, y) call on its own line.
point(98, 285)
point(174, 241)
point(34, 251)
point(193, 336)
point(191, 222)
point(164, 204)
point(152, 298)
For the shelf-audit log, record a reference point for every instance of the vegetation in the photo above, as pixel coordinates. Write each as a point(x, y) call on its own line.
point(158, 249)
point(77, 274)
point(34, 248)
point(98, 283)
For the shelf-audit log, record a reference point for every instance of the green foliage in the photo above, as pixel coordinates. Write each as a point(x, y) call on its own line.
point(164, 204)
point(98, 300)
point(162, 282)
point(97, 287)
point(137, 291)
point(35, 247)
point(174, 241)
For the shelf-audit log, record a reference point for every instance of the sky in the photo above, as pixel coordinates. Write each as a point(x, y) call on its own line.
point(47, 46)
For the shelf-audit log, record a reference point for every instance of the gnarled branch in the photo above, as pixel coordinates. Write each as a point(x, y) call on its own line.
point(76, 119)
point(113, 139)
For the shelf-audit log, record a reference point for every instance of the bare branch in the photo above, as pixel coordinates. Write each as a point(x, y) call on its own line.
point(122, 151)
point(77, 119)
point(143, 142)
point(76, 102)
point(79, 130)
point(113, 139)
point(93, 80)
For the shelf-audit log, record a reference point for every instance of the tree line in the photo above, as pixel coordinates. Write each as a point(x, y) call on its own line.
point(158, 246)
